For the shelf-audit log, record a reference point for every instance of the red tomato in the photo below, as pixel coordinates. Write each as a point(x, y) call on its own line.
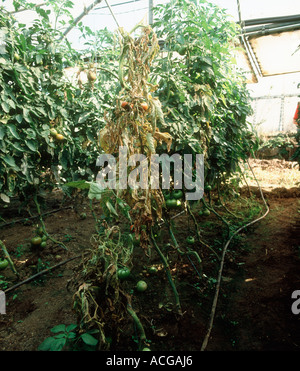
point(144, 105)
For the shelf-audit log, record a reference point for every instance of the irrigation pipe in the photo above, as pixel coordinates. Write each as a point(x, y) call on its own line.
point(214, 305)
point(173, 217)
point(34, 216)
point(40, 273)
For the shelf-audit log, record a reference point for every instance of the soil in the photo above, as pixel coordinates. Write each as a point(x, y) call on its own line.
point(261, 271)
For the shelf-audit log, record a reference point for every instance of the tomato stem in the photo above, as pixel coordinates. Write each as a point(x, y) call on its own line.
point(167, 269)
point(189, 252)
point(7, 257)
point(43, 225)
point(217, 214)
point(198, 231)
point(135, 318)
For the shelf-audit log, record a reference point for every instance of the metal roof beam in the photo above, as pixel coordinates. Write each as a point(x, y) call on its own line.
point(264, 31)
point(269, 27)
point(258, 21)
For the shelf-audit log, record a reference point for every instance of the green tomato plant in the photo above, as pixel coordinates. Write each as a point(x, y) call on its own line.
point(204, 94)
point(49, 123)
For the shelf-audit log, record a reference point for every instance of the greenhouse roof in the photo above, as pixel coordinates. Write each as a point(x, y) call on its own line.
point(270, 35)
point(270, 28)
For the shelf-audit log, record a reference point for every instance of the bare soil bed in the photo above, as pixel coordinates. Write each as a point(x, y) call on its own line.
point(260, 273)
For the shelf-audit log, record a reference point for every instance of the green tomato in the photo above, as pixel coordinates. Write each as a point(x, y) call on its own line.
point(152, 270)
point(182, 50)
point(177, 194)
point(3, 264)
point(53, 132)
point(146, 350)
point(40, 231)
point(167, 196)
point(43, 244)
point(44, 238)
point(36, 241)
point(206, 212)
point(190, 240)
point(123, 273)
point(141, 286)
point(173, 203)
point(208, 188)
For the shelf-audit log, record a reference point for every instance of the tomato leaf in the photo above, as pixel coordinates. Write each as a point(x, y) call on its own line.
point(47, 344)
point(9, 160)
point(5, 107)
point(58, 344)
point(32, 145)
point(111, 209)
point(89, 339)
point(95, 191)
point(4, 197)
point(58, 328)
point(13, 131)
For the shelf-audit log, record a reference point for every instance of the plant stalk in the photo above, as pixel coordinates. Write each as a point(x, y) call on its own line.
point(167, 269)
point(7, 257)
point(43, 225)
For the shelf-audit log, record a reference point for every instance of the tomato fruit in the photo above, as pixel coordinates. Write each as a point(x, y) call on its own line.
point(177, 194)
point(44, 238)
point(182, 50)
point(146, 350)
point(43, 244)
point(141, 286)
point(173, 203)
point(144, 105)
point(167, 196)
point(36, 241)
point(190, 240)
point(59, 137)
point(91, 76)
point(40, 231)
point(123, 273)
point(3, 264)
point(206, 212)
point(53, 132)
point(208, 188)
point(152, 270)
point(126, 105)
